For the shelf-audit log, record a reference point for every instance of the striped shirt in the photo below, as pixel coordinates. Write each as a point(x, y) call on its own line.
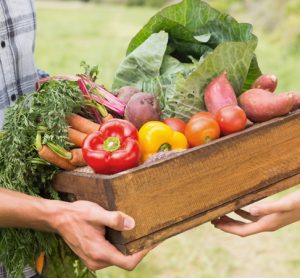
point(17, 69)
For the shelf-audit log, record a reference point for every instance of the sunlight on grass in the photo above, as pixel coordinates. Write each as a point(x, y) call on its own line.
point(98, 34)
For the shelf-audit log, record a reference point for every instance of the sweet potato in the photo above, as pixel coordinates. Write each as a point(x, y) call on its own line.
point(219, 93)
point(297, 101)
point(261, 105)
point(266, 82)
point(142, 108)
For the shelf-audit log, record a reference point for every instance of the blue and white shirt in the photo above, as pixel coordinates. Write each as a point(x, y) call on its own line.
point(17, 68)
point(17, 38)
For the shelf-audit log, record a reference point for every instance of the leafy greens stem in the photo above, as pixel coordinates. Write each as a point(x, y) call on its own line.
point(60, 151)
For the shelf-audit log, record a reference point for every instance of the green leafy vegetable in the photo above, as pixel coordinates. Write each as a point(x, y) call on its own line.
point(181, 49)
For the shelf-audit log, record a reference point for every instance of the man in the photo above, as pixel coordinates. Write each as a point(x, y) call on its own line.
point(81, 224)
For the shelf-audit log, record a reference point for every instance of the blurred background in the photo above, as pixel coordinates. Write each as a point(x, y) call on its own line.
point(98, 31)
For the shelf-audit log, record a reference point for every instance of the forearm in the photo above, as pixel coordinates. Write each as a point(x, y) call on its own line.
point(18, 210)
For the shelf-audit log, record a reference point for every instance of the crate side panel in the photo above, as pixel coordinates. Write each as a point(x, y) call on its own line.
point(85, 187)
point(200, 180)
point(156, 237)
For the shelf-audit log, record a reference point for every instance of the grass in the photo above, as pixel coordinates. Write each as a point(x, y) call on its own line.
point(71, 32)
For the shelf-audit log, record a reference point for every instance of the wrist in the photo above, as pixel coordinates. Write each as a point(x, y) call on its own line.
point(56, 212)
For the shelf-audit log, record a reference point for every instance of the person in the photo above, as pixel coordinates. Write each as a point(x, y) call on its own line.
point(81, 224)
point(263, 217)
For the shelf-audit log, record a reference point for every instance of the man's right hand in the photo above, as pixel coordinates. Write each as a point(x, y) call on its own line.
point(82, 225)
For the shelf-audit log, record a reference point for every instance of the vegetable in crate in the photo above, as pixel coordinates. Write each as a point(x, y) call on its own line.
point(231, 119)
point(125, 93)
point(204, 114)
point(142, 108)
point(82, 124)
point(112, 149)
point(266, 82)
point(176, 124)
point(218, 94)
point(158, 137)
point(177, 58)
point(202, 130)
point(261, 105)
point(297, 101)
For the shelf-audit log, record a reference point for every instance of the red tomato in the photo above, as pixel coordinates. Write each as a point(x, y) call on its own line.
point(201, 130)
point(176, 124)
point(231, 119)
point(204, 114)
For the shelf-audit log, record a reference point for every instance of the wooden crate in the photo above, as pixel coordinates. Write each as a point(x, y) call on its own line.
point(174, 195)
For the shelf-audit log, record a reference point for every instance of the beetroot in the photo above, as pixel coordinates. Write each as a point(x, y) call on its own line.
point(219, 93)
point(125, 93)
point(142, 108)
point(266, 82)
point(261, 105)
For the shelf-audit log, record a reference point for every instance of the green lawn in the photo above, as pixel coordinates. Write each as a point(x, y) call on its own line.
point(71, 32)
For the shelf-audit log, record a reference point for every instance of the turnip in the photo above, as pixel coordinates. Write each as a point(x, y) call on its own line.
point(142, 108)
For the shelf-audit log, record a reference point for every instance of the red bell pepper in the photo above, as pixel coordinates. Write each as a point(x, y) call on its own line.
point(112, 149)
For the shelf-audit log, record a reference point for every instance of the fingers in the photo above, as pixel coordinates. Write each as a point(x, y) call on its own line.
point(269, 208)
point(114, 257)
point(246, 215)
point(96, 265)
point(239, 228)
point(115, 220)
point(127, 262)
point(108, 255)
point(286, 204)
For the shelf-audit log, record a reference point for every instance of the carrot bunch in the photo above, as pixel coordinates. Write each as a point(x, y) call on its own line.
point(79, 128)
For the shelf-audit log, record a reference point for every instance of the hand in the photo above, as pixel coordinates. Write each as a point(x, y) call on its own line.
point(263, 217)
point(82, 225)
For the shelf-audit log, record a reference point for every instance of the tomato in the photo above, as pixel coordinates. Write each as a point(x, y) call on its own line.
point(176, 124)
point(204, 114)
point(231, 119)
point(202, 130)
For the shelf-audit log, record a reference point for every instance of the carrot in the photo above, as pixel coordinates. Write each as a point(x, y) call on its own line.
point(39, 263)
point(47, 154)
point(107, 118)
point(76, 137)
point(77, 158)
point(82, 124)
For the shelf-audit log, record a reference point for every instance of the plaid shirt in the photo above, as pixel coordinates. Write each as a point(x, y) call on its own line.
point(17, 69)
point(17, 35)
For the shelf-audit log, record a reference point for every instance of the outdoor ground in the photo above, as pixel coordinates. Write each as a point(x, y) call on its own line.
point(70, 32)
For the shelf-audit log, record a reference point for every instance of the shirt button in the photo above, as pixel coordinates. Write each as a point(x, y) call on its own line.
point(3, 44)
point(13, 97)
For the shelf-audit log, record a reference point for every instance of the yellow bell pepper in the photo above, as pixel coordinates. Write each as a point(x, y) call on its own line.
point(156, 136)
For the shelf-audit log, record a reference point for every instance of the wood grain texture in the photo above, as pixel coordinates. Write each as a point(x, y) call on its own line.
point(81, 186)
point(156, 237)
point(173, 195)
